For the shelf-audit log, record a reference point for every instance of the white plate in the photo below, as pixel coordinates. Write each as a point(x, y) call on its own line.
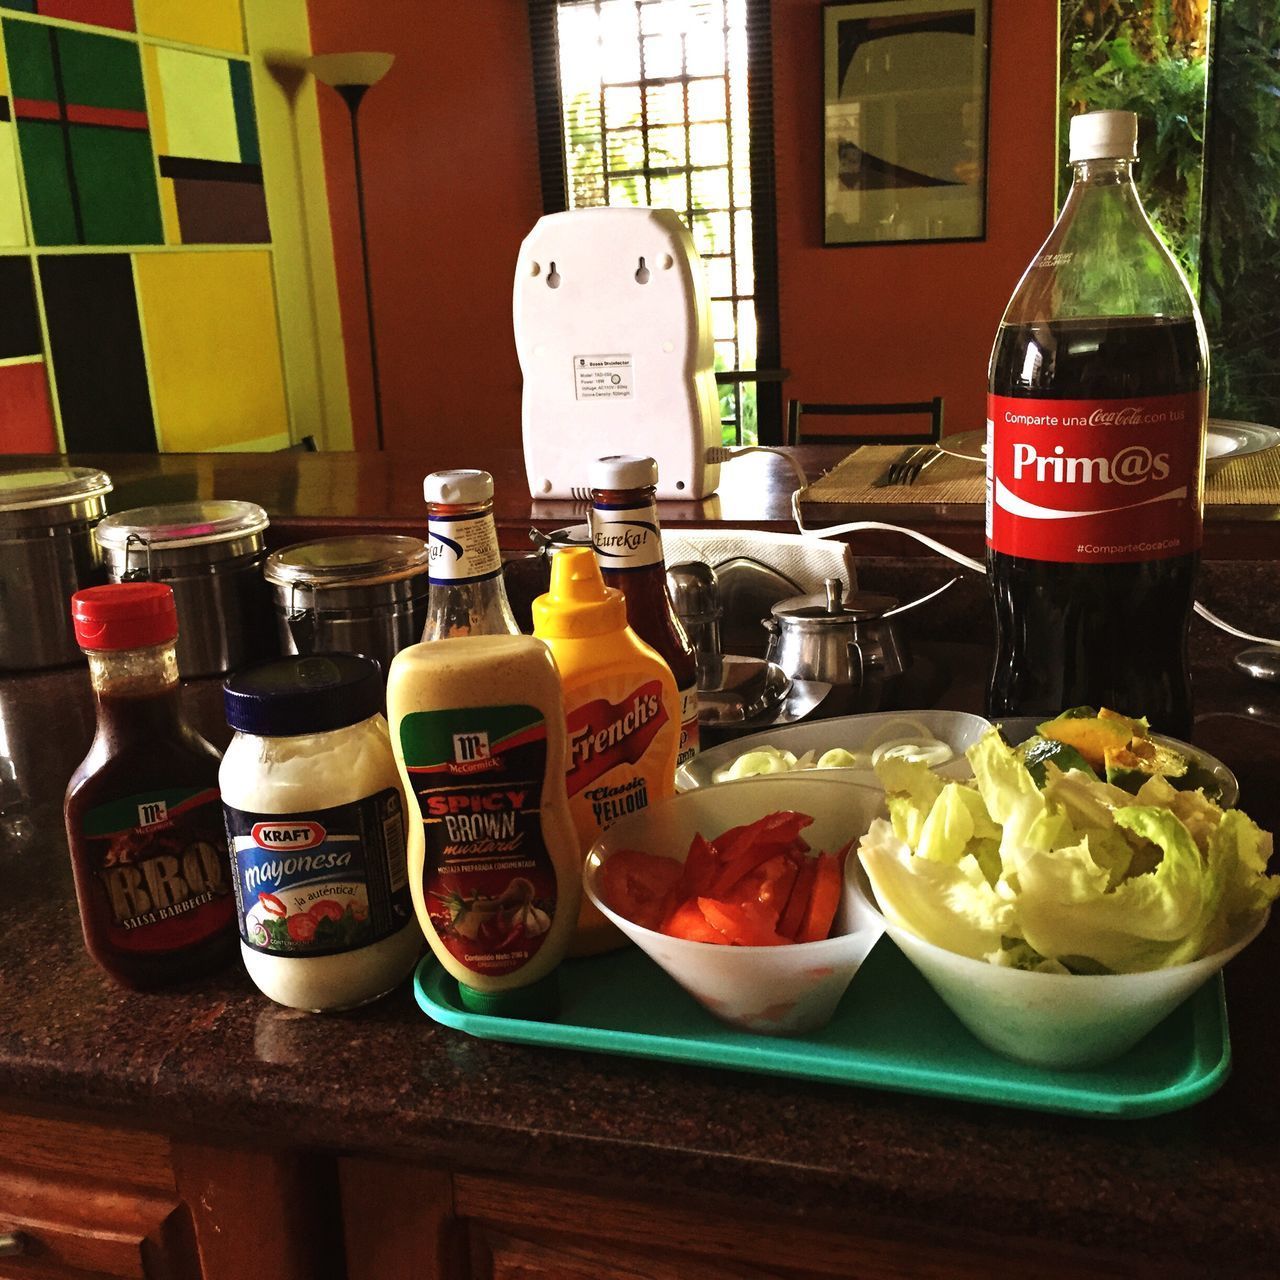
point(958, 729)
point(1224, 442)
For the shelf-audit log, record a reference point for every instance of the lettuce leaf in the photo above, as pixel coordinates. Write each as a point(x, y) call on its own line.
point(948, 904)
point(1078, 877)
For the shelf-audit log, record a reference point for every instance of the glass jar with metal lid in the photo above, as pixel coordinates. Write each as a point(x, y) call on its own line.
point(211, 554)
point(47, 553)
point(362, 594)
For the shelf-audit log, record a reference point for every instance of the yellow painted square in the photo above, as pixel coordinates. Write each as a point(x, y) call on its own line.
point(155, 99)
point(214, 24)
point(13, 228)
point(199, 112)
point(213, 348)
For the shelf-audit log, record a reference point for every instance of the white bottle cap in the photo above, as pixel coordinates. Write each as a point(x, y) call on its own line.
point(1104, 135)
point(622, 471)
point(457, 487)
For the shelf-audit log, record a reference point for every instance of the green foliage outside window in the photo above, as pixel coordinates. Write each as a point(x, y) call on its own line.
point(1242, 240)
point(1209, 172)
point(1136, 55)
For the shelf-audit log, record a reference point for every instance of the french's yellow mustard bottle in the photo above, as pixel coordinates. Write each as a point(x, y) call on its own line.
point(621, 708)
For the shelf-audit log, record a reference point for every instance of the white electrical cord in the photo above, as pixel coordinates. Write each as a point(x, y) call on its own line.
point(857, 526)
point(725, 454)
point(1214, 621)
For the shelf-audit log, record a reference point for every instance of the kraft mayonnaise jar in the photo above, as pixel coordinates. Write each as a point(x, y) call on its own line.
point(478, 730)
point(316, 827)
point(622, 713)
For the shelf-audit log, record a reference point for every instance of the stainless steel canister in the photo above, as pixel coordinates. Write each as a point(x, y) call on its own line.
point(47, 553)
point(211, 554)
point(362, 594)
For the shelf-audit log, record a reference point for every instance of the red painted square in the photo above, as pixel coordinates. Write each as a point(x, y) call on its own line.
point(97, 13)
point(26, 416)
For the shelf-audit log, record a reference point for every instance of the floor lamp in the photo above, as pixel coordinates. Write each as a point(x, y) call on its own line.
point(351, 75)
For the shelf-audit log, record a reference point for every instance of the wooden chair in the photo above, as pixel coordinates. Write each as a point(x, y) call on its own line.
point(796, 411)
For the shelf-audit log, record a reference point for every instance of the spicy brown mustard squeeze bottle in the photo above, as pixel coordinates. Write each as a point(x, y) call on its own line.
point(144, 819)
point(628, 544)
point(622, 714)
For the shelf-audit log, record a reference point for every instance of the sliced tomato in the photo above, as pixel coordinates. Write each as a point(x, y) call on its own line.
point(327, 909)
point(700, 869)
point(302, 928)
point(823, 901)
point(636, 884)
point(688, 922)
point(745, 924)
point(767, 883)
point(794, 912)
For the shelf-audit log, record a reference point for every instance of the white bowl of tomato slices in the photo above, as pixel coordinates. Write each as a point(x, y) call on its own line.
point(746, 894)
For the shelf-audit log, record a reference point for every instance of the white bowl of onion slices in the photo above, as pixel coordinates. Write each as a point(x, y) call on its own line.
point(846, 748)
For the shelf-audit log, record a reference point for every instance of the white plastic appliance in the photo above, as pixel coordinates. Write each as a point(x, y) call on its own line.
point(613, 330)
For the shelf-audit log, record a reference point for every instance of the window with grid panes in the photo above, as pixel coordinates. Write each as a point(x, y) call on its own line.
point(667, 103)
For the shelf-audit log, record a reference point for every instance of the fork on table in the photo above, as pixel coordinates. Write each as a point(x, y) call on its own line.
point(905, 469)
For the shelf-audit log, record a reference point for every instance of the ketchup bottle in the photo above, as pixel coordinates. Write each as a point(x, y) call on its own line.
point(144, 818)
point(628, 547)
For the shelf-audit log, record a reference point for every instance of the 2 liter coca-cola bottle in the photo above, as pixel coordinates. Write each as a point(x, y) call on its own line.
point(1095, 456)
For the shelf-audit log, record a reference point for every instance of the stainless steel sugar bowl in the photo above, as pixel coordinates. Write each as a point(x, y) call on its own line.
point(47, 553)
point(362, 594)
point(816, 638)
point(211, 554)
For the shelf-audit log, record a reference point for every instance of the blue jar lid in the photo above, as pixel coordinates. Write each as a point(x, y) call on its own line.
point(289, 696)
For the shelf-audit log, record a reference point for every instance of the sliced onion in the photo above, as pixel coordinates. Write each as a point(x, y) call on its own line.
point(931, 751)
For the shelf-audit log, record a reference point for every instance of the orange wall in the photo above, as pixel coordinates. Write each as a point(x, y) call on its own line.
point(450, 154)
point(452, 187)
point(886, 322)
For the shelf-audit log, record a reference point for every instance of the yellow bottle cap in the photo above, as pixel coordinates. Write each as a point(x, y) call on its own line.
point(578, 604)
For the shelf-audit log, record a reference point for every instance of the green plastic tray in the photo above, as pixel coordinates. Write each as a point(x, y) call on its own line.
point(889, 1032)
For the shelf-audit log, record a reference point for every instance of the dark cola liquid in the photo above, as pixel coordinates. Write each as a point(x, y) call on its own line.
point(1112, 635)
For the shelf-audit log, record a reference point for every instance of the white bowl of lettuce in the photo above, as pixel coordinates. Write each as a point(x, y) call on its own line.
point(1062, 924)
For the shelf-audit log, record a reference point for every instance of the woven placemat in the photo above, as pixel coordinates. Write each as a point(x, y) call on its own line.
point(1251, 481)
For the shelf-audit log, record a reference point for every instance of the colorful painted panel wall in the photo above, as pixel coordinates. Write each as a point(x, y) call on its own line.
point(138, 306)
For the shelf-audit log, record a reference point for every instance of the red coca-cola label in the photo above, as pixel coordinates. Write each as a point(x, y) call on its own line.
point(1095, 481)
point(603, 734)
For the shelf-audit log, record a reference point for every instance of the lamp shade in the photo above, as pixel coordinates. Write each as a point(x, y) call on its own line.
point(340, 69)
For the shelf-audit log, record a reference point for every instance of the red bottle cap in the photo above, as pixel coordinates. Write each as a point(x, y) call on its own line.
point(125, 615)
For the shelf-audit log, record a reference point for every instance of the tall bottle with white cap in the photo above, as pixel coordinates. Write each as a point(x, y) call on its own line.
point(628, 545)
point(466, 595)
point(1095, 456)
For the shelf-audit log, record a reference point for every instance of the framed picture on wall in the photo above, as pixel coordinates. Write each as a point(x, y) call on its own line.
point(905, 123)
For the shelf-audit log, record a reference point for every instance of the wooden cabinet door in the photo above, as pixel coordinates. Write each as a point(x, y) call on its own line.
point(84, 1201)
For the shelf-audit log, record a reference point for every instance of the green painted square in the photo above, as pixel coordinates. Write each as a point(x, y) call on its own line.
point(44, 163)
point(246, 123)
point(29, 49)
point(100, 71)
point(115, 176)
point(22, 6)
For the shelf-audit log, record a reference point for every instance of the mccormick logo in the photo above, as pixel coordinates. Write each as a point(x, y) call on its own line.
point(288, 835)
point(153, 813)
point(471, 754)
point(604, 734)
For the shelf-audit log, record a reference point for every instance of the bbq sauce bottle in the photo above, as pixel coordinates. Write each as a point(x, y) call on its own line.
point(628, 546)
point(144, 820)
